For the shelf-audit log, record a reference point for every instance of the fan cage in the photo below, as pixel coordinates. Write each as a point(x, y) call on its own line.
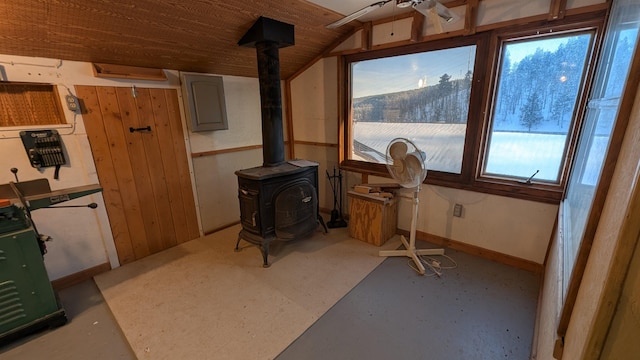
point(406, 178)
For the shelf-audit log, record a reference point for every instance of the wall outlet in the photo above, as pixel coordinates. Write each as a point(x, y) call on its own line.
point(457, 210)
point(72, 103)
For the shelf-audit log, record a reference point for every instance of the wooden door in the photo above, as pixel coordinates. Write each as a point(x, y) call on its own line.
point(144, 173)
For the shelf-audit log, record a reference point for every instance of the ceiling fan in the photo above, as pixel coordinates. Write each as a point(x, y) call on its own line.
point(431, 8)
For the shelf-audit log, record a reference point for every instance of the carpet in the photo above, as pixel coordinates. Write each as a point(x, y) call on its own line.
point(203, 300)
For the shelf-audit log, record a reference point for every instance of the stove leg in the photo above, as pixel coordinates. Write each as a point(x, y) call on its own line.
point(324, 226)
point(238, 244)
point(265, 254)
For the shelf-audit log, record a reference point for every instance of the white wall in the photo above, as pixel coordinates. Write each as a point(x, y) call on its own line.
point(215, 178)
point(314, 112)
point(242, 97)
point(510, 226)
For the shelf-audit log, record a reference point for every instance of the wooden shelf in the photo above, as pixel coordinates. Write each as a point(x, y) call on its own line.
point(127, 72)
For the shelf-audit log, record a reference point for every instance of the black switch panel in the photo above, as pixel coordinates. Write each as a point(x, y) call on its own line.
point(43, 147)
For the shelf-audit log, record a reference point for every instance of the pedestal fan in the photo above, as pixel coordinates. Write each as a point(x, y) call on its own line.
point(406, 164)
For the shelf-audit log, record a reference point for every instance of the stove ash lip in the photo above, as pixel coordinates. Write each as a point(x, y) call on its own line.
point(285, 168)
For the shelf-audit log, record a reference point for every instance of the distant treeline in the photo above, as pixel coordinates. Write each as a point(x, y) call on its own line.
point(538, 91)
point(446, 102)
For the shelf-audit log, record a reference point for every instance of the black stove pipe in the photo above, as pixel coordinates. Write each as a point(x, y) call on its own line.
point(271, 102)
point(267, 36)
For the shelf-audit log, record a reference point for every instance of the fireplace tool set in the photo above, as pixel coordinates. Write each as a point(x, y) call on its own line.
point(335, 181)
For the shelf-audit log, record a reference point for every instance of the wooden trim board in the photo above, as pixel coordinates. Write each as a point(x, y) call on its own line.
point(127, 72)
point(77, 278)
point(478, 251)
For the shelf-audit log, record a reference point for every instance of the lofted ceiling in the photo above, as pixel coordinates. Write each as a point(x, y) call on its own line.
point(186, 35)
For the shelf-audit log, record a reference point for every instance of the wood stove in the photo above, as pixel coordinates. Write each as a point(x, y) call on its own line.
point(278, 200)
point(278, 203)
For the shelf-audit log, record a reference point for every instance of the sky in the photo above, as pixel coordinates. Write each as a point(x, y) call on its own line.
point(400, 73)
point(407, 72)
point(519, 50)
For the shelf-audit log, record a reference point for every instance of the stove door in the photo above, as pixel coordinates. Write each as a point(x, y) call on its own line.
point(296, 211)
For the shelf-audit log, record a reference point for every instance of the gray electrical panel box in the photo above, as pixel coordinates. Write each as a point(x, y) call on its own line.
point(204, 96)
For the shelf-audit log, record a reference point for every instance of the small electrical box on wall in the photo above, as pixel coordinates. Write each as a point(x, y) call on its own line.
point(44, 149)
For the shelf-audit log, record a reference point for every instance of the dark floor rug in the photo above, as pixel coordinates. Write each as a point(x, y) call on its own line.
point(479, 310)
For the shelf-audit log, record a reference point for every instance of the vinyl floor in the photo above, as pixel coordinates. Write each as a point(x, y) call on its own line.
point(479, 310)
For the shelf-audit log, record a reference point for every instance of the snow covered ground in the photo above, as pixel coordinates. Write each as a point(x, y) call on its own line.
point(517, 154)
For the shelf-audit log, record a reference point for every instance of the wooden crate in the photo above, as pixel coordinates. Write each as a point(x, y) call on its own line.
point(372, 218)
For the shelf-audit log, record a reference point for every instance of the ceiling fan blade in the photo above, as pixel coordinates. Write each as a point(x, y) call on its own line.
point(357, 14)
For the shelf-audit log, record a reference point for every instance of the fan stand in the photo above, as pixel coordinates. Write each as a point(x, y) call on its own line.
point(410, 247)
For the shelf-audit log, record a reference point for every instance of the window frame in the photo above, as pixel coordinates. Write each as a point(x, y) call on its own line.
point(482, 99)
point(480, 41)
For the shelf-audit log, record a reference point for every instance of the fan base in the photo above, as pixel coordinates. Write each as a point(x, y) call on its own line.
point(412, 252)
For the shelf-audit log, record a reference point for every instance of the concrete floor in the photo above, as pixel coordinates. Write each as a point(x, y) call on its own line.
point(91, 332)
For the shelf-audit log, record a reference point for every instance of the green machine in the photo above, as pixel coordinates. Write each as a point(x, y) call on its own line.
point(27, 300)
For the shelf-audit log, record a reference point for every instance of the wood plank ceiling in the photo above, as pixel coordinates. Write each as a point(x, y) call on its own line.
point(186, 35)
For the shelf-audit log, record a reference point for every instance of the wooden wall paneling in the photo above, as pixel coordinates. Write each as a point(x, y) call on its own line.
point(140, 181)
point(144, 174)
point(101, 150)
point(182, 165)
point(162, 133)
point(124, 173)
point(155, 167)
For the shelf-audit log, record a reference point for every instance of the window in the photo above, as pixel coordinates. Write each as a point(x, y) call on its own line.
point(539, 85)
point(422, 96)
point(496, 112)
point(592, 169)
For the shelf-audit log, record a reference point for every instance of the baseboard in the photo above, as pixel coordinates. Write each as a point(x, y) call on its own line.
point(221, 228)
point(513, 261)
point(77, 278)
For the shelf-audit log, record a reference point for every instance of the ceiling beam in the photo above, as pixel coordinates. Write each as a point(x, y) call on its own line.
point(471, 17)
point(367, 35)
point(557, 9)
point(416, 26)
